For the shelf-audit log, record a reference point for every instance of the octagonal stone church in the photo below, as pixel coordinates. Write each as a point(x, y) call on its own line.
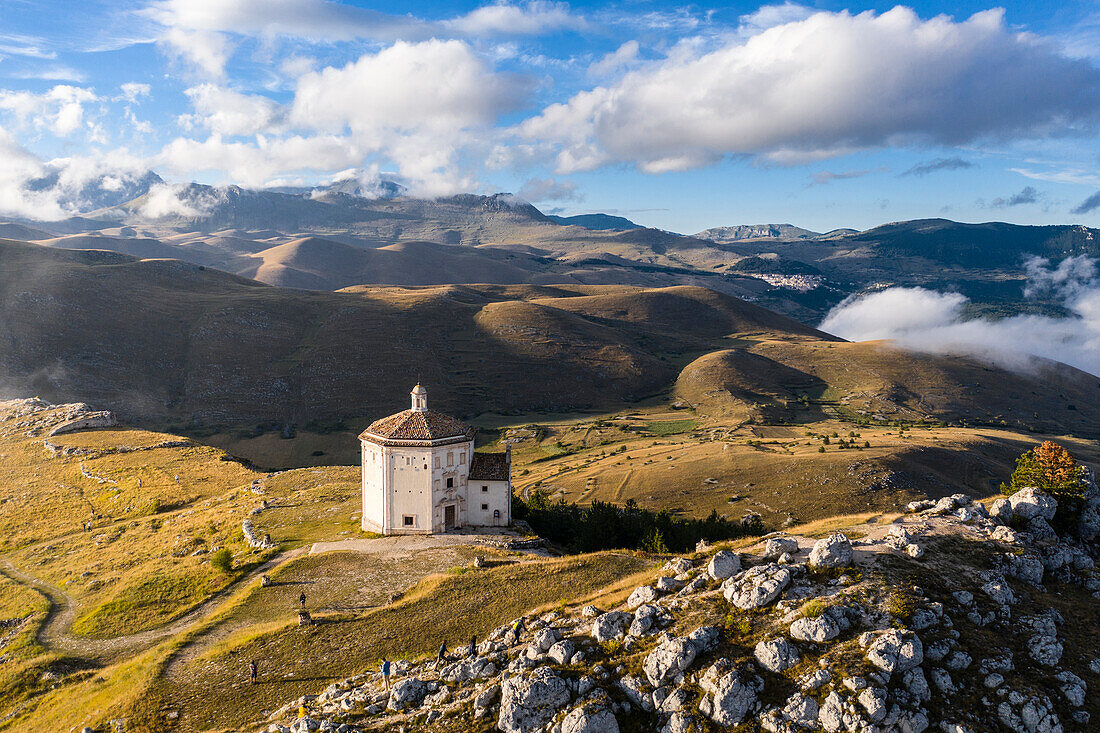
point(422, 476)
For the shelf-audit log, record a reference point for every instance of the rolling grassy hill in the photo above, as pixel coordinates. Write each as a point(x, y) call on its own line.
point(166, 340)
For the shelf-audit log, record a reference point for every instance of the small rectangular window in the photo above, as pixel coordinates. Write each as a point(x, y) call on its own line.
point(409, 520)
point(484, 489)
point(484, 507)
point(450, 458)
point(462, 458)
point(435, 462)
point(450, 483)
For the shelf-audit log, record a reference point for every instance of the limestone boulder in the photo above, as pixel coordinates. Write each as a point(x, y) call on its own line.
point(1030, 503)
point(729, 693)
point(776, 547)
point(642, 594)
point(610, 625)
point(757, 587)
point(818, 630)
point(724, 564)
point(670, 659)
point(528, 703)
point(896, 651)
point(835, 551)
point(592, 718)
point(407, 693)
point(776, 655)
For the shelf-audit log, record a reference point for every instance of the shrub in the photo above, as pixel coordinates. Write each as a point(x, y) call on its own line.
point(902, 604)
point(813, 608)
point(222, 560)
point(738, 625)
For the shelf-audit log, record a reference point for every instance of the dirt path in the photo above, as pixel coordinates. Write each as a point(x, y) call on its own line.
point(56, 634)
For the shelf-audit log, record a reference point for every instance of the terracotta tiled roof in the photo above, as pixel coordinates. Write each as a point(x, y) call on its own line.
point(413, 425)
point(490, 467)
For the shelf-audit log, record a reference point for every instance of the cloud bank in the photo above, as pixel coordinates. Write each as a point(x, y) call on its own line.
point(934, 322)
point(825, 85)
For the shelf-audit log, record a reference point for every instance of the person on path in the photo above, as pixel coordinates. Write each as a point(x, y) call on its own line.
point(517, 629)
point(252, 672)
point(302, 599)
point(386, 672)
point(442, 656)
point(473, 647)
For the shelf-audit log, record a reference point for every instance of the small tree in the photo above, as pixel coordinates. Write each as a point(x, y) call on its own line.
point(222, 560)
point(1048, 467)
point(1053, 469)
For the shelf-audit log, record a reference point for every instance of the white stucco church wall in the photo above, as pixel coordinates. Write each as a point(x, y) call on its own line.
point(422, 476)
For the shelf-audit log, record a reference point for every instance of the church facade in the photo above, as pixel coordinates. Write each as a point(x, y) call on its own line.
point(421, 475)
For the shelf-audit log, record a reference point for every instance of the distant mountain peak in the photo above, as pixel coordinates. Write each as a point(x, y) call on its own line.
point(599, 222)
point(755, 231)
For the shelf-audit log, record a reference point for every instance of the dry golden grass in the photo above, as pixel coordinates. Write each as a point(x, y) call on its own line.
point(212, 691)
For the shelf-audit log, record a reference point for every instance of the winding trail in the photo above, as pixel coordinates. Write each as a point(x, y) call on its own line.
point(55, 633)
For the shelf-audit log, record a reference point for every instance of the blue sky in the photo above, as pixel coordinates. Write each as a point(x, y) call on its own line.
point(823, 115)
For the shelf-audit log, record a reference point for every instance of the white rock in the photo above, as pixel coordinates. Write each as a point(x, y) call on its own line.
point(835, 551)
point(611, 625)
point(873, 700)
point(1001, 510)
point(914, 550)
point(668, 660)
point(666, 584)
point(590, 719)
point(896, 651)
point(1045, 649)
point(757, 586)
point(776, 655)
point(407, 693)
point(729, 694)
point(818, 630)
point(724, 564)
point(678, 565)
point(642, 594)
point(529, 703)
point(1030, 502)
point(776, 547)
point(562, 651)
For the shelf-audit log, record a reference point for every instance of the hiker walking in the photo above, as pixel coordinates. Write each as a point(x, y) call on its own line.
point(302, 599)
point(473, 647)
point(517, 629)
point(252, 672)
point(442, 656)
point(386, 672)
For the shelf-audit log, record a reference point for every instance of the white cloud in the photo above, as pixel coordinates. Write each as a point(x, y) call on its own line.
point(19, 167)
point(826, 85)
point(530, 18)
point(164, 200)
point(436, 85)
point(227, 112)
point(14, 44)
point(548, 189)
point(312, 19)
point(56, 72)
point(255, 164)
point(769, 16)
point(622, 57)
point(59, 110)
point(207, 51)
point(925, 320)
point(133, 91)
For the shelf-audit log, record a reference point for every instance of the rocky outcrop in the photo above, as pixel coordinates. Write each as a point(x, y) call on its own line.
point(867, 651)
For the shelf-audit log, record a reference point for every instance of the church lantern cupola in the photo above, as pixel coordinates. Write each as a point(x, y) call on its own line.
point(419, 399)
